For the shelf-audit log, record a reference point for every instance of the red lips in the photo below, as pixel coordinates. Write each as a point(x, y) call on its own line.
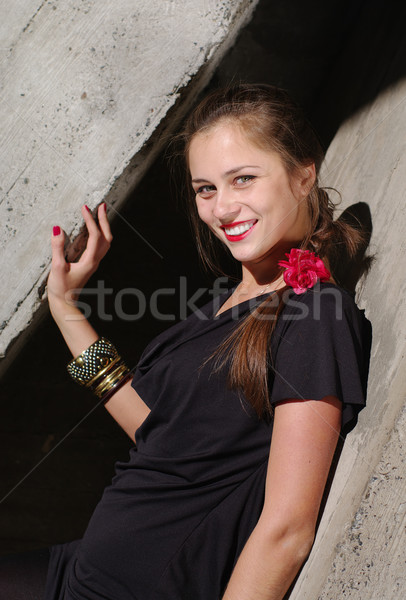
point(241, 236)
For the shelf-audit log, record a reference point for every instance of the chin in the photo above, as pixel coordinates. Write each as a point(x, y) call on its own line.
point(246, 257)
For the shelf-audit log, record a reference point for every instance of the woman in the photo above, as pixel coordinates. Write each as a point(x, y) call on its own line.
point(237, 410)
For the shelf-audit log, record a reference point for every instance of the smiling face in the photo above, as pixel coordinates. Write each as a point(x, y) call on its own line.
point(245, 195)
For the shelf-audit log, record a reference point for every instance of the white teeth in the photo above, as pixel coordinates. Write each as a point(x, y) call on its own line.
point(239, 229)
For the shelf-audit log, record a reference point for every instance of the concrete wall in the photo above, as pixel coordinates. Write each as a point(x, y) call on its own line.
point(54, 134)
point(84, 86)
point(359, 552)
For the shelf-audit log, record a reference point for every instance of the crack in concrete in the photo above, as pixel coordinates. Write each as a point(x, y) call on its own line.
point(30, 22)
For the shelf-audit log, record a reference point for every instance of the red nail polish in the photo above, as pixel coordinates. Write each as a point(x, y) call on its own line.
point(56, 230)
point(104, 207)
point(87, 208)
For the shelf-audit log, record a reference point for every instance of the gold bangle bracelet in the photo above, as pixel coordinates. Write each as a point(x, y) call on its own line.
point(111, 381)
point(99, 368)
point(104, 372)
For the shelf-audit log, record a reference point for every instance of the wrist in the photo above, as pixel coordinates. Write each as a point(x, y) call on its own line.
point(64, 308)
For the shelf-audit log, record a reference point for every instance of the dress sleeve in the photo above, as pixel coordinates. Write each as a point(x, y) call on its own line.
point(321, 347)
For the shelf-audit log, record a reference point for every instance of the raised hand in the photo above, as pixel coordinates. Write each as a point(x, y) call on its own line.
point(66, 279)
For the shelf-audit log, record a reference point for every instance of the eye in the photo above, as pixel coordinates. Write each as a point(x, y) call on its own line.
point(205, 190)
point(244, 179)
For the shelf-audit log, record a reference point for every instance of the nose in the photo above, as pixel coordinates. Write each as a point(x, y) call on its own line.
point(225, 208)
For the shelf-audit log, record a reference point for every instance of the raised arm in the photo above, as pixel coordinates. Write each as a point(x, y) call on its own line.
point(65, 282)
point(304, 438)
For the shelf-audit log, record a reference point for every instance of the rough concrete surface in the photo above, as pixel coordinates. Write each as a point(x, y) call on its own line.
point(84, 85)
point(370, 561)
point(367, 163)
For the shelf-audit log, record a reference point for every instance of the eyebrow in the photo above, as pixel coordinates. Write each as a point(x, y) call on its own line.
point(230, 172)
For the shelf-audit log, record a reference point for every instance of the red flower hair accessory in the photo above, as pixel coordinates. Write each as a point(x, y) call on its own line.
point(303, 269)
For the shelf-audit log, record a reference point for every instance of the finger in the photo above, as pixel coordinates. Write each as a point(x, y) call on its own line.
point(57, 245)
point(104, 222)
point(93, 231)
point(89, 220)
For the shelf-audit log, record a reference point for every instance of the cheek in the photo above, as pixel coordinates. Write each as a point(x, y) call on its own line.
point(203, 212)
point(289, 204)
point(200, 209)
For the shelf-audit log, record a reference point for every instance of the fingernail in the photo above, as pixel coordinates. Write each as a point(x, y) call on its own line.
point(87, 208)
point(56, 230)
point(104, 207)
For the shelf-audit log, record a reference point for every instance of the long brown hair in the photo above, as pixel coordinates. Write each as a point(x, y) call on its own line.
point(273, 122)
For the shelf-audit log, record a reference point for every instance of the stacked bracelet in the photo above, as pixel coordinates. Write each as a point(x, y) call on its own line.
point(100, 368)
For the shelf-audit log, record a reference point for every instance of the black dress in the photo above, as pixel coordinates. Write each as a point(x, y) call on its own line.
point(178, 513)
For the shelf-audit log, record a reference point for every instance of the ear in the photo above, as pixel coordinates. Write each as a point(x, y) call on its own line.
point(304, 180)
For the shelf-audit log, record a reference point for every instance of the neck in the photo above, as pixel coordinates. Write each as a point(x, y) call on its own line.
point(261, 275)
point(251, 286)
point(265, 270)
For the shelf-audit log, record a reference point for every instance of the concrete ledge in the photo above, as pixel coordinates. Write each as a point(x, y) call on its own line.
point(367, 163)
point(370, 560)
point(84, 86)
